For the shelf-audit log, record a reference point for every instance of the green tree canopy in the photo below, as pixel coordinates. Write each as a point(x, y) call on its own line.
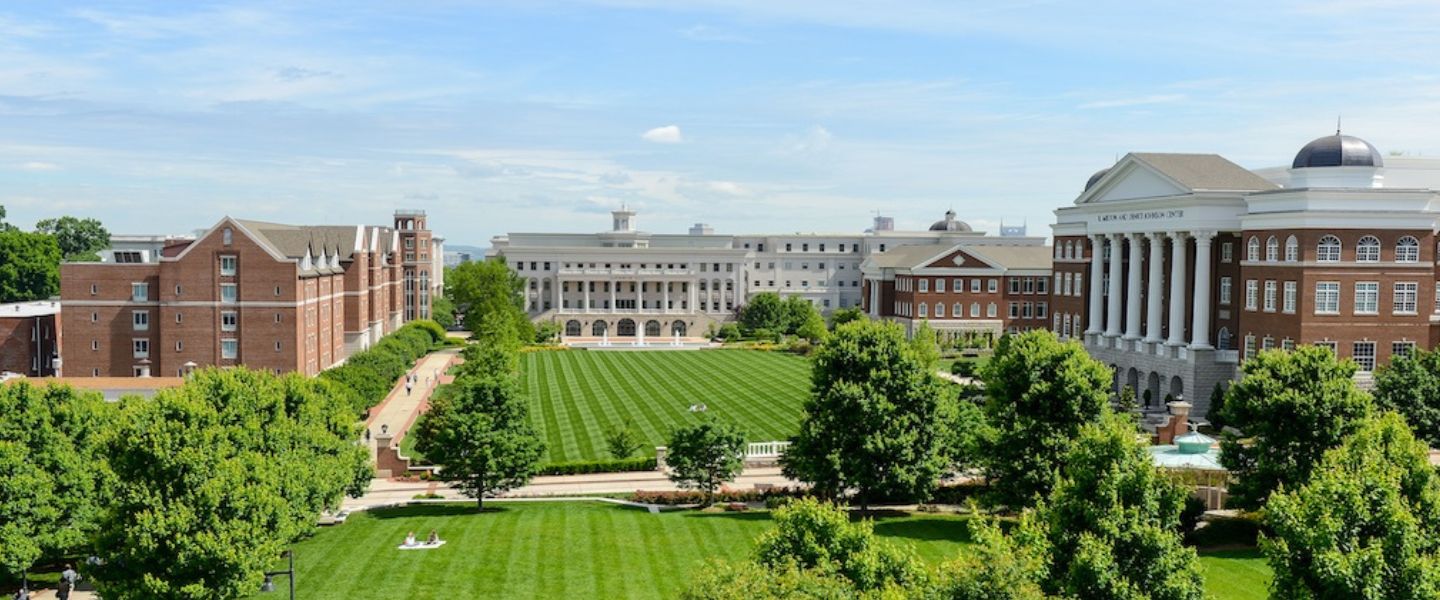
point(213, 479)
point(1365, 525)
point(877, 419)
point(487, 288)
point(481, 436)
point(842, 316)
point(79, 239)
point(764, 311)
point(797, 311)
point(1410, 385)
point(1291, 406)
point(705, 455)
point(997, 566)
point(51, 471)
point(29, 266)
point(442, 309)
point(819, 536)
point(1039, 392)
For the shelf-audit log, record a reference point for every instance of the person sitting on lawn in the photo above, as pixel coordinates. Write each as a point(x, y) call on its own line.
point(433, 539)
point(410, 539)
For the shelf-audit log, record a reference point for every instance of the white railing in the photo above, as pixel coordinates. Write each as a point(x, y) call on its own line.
point(1227, 356)
point(765, 449)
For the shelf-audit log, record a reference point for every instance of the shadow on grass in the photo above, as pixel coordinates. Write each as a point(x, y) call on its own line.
point(729, 516)
point(922, 528)
point(1235, 553)
point(434, 510)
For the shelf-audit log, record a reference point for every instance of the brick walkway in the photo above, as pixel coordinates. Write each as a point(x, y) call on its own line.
point(399, 409)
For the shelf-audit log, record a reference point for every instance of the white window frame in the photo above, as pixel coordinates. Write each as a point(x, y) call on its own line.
point(233, 263)
point(1367, 298)
point(1288, 298)
point(1367, 250)
point(140, 291)
point(1406, 298)
point(1272, 249)
point(1328, 249)
point(975, 309)
point(1327, 297)
point(1252, 249)
point(924, 286)
point(1407, 250)
point(1292, 249)
point(234, 295)
point(939, 285)
point(1252, 294)
point(992, 310)
point(229, 348)
point(1271, 288)
point(140, 347)
point(939, 310)
point(234, 320)
point(1364, 360)
point(975, 286)
point(140, 320)
point(1225, 290)
point(1401, 348)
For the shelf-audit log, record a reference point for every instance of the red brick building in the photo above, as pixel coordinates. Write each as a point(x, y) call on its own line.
point(265, 295)
point(30, 338)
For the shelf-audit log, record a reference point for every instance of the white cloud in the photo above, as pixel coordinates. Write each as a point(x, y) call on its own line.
point(706, 33)
point(729, 187)
point(39, 166)
point(669, 134)
point(1135, 101)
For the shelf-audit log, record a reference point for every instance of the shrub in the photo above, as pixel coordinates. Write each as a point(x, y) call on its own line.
point(674, 498)
point(599, 466)
point(428, 496)
point(622, 440)
point(729, 332)
point(963, 368)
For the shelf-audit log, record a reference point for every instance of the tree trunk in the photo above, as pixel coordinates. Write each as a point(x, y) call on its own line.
point(480, 498)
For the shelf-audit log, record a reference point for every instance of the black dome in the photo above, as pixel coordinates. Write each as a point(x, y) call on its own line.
point(949, 223)
point(1094, 179)
point(1338, 151)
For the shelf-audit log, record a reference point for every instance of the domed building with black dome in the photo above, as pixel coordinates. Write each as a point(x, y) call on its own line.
point(1176, 268)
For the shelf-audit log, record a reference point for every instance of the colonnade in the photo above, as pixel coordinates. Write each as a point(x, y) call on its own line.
point(1106, 316)
point(688, 297)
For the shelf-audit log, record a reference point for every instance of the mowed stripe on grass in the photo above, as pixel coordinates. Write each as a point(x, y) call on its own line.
point(576, 396)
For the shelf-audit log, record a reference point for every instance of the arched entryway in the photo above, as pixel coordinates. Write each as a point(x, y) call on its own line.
point(1153, 387)
point(1223, 340)
point(572, 328)
point(677, 328)
point(599, 328)
point(652, 328)
point(1177, 387)
point(625, 328)
point(1132, 379)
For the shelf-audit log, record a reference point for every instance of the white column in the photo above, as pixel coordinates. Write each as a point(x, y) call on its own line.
point(585, 287)
point(665, 296)
point(640, 296)
point(1132, 288)
point(1097, 285)
point(1200, 326)
point(693, 294)
point(1112, 316)
point(1178, 244)
point(1156, 292)
point(559, 300)
point(613, 284)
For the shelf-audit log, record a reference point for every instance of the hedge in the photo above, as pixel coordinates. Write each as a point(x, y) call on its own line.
point(723, 495)
point(599, 466)
point(369, 374)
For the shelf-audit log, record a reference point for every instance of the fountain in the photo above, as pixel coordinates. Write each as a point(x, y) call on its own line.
point(605, 338)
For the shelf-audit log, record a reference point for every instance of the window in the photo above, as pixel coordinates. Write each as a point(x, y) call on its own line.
point(277, 346)
point(1078, 286)
point(1287, 301)
point(957, 310)
point(229, 320)
point(939, 286)
point(1268, 343)
point(1225, 286)
point(993, 286)
point(1368, 249)
point(227, 266)
point(1287, 344)
point(974, 286)
point(1398, 349)
point(1270, 288)
point(1249, 346)
point(179, 346)
point(140, 348)
point(1367, 297)
point(975, 309)
point(939, 310)
point(277, 290)
point(1041, 308)
point(1364, 355)
point(1272, 249)
point(1407, 297)
point(1252, 294)
point(140, 320)
point(1328, 250)
point(139, 292)
point(229, 349)
point(94, 344)
point(924, 285)
point(94, 317)
point(1014, 310)
point(1252, 249)
point(992, 310)
point(228, 293)
point(179, 317)
point(1327, 298)
point(277, 317)
point(94, 289)
point(226, 236)
point(179, 290)
point(1292, 249)
point(1227, 252)
point(1407, 250)
point(1042, 285)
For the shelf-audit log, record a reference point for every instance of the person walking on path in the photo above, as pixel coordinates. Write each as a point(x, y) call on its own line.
point(407, 388)
point(68, 578)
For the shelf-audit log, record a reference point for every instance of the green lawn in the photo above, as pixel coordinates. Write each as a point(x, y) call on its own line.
point(576, 395)
point(591, 550)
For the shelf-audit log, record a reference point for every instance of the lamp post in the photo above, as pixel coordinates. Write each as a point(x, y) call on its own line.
point(269, 585)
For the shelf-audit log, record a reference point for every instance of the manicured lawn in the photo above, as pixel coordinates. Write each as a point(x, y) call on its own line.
point(1236, 574)
point(576, 395)
point(590, 550)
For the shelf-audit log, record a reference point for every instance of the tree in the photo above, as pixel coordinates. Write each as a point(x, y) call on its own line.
point(3, 225)
point(547, 332)
point(213, 479)
point(927, 346)
point(622, 440)
point(764, 311)
point(1364, 525)
point(817, 536)
point(813, 328)
point(29, 266)
point(705, 455)
point(481, 437)
point(1112, 523)
point(1292, 406)
point(442, 309)
point(482, 288)
point(877, 419)
point(1410, 385)
point(842, 316)
point(997, 566)
point(79, 239)
point(1217, 407)
point(1040, 393)
point(51, 472)
point(796, 312)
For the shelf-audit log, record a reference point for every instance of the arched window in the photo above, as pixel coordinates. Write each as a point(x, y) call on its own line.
point(939, 310)
point(1222, 341)
point(677, 329)
point(1272, 249)
point(1407, 250)
point(1252, 249)
point(652, 328)
point(1368, 249)
point(598, 328)
point(1069, 249)
point(626, 328)
point(922, 314)
point(1292, 249)
point(1328, 250)
point(572, 328)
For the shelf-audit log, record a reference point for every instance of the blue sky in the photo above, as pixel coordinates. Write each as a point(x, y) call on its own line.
point(752, 115)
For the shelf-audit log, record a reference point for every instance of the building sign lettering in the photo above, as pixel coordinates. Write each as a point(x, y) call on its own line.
point(1143, 215)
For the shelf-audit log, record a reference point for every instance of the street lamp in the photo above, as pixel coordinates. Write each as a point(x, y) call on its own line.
point(269, 585)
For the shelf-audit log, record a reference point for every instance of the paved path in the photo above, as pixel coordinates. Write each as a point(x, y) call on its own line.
point(390, 491)
point(399, 409)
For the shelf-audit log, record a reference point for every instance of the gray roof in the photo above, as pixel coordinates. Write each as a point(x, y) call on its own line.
point(1007, 257)
point(1201, 172)
point(904, 257)
point(295, 241)
point(1016, 257)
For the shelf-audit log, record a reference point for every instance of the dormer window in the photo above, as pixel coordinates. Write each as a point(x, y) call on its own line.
point(226, 236)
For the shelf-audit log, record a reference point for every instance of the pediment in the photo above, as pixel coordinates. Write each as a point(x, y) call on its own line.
point(957, 259)
point(1131, 179)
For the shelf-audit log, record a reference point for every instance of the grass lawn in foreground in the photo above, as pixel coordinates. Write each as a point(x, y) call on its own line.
point(592, 550)
point(576, 395)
